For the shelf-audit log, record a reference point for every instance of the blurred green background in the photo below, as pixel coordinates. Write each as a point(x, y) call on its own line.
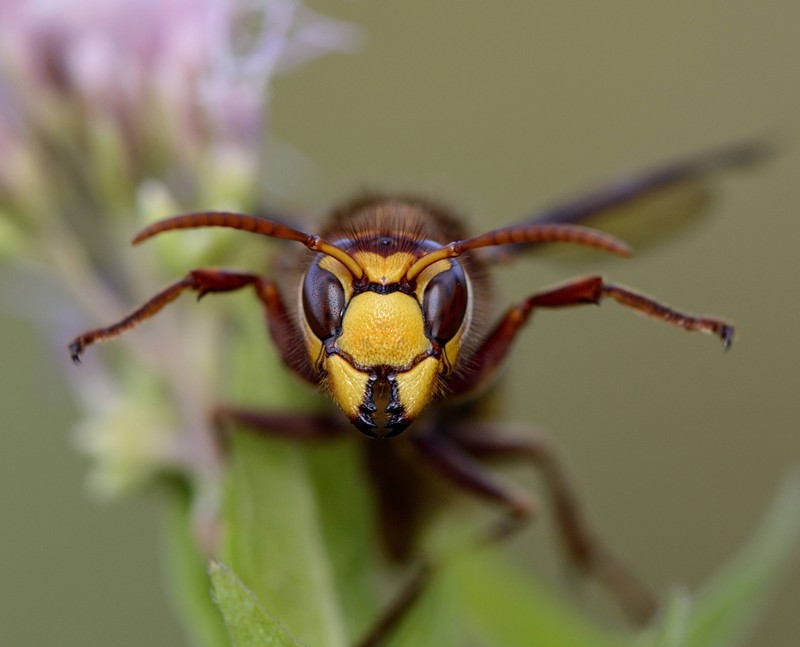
point(497, 108)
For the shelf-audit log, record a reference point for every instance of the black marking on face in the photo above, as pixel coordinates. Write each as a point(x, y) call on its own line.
point(364, 422)
point(395, 423)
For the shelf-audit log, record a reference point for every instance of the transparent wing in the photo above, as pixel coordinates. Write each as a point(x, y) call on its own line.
point(651, 206)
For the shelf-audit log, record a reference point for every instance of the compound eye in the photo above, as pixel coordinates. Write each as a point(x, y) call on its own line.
point(444, 303)
point(323, 301)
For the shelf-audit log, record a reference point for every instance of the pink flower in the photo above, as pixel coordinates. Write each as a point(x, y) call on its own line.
point(113, 112)
point(188, 72)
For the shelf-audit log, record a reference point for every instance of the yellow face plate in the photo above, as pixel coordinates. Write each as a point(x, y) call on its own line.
point(346, 384)
point(418, 386)
point(383, 330)
point(384, 269)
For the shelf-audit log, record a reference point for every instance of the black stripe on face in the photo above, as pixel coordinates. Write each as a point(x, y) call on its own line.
point(396, 421)
point(364, 422)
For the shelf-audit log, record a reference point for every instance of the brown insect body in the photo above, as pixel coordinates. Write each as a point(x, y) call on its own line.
point(406, 493)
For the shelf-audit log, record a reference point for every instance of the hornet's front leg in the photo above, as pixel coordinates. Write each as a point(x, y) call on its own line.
point(204, 281)
point(485, 361)
point(456, 455)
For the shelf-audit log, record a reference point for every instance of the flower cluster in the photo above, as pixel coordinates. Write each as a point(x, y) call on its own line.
point(118, 112)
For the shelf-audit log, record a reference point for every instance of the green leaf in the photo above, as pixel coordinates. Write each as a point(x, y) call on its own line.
point(434, 621)
point(728, 607)
point(725, 611)
point(672, 627)
point(249, 624)
point(291, 533)
point(273, 539)
point(187, 576)
point(348, 527)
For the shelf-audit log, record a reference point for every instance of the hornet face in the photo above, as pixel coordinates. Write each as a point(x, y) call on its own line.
point(383, 343)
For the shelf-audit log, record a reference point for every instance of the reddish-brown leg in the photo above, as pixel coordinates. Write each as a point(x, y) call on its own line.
point(460, 468)
point(464, 471)
point(291, 426)
point(580, 544)
point(454, 455)
point(487, 358)
point(205, 281)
